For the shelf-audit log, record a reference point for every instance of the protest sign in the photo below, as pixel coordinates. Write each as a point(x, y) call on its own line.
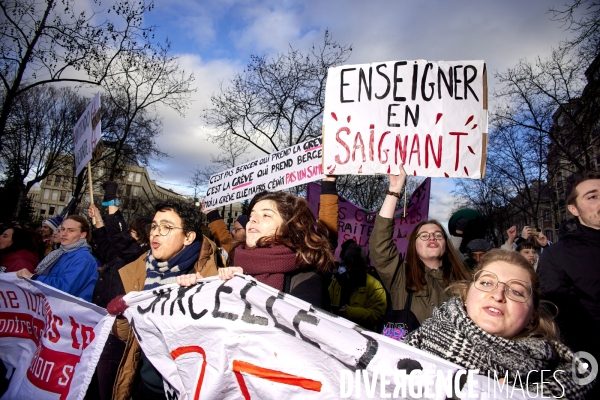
point(430, 117)
point(293, 166)
point(87, 134)
point(357, 223)
point(240, 339)
point(50, 341)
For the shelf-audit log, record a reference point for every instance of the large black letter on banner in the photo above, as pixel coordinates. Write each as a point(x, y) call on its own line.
point(370, 351)
point(270, 301)
point(194, 314)
point(304, 316)
point(179, 299)
point(218, 314)
point(248, 317)
point(160, 294)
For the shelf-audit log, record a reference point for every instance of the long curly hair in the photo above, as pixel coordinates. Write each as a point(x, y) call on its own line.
point(300, 231)
point(452, 267)
point(543, 325)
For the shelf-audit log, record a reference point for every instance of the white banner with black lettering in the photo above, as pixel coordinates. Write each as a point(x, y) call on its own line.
point(240, 339)
point(50, 341)
point(296, 165)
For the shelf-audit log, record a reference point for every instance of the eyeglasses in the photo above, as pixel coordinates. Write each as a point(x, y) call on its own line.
point(515, 289)
point(428, 235)
point(163, 229)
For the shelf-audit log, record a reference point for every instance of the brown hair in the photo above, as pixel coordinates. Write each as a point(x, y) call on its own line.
point(84, 225)
point(543, 325)
point(300, 231)
point(576, 179)
point(453, 267)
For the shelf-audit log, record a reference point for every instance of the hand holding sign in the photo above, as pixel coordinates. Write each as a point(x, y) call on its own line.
point(397, 181)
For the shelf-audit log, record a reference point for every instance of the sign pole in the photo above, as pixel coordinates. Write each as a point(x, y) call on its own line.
point(89, 168)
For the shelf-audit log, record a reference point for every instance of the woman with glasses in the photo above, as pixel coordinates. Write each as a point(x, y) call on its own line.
point(497, 325)
point(416, 283)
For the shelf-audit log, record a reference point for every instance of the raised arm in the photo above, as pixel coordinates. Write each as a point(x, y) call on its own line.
point(383, 250)
point(328, 211)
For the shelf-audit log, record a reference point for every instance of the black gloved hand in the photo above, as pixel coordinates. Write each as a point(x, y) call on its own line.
point(110, 190)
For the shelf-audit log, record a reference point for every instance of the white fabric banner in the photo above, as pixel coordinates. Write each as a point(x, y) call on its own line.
point(87, 133)
point(429, 116)
point(240, 339)
point(296, 165)
point(50, 341)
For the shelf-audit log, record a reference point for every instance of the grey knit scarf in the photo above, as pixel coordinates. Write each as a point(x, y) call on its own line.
point(451, 334)
point(54, 256)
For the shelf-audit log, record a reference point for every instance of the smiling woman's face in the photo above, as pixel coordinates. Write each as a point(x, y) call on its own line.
point(430, 248)
point(493, 311)
point(263, 222)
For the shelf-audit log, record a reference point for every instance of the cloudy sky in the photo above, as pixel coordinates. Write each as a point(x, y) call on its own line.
point(215, 39)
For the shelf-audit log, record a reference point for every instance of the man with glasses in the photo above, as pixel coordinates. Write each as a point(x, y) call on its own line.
point(176, 248)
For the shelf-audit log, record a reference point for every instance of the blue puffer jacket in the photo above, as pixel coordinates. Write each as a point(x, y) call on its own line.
point(75, 272)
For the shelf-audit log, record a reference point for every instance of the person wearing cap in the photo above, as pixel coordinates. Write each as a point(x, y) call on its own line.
point(476, 248)
point(49, 226)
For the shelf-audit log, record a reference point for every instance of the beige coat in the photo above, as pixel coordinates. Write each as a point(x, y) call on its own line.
point(133, 276)
point(387, 261)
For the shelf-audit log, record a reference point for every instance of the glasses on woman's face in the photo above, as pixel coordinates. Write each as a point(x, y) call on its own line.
point(163, 229)
point(515, 289)
point(427, 235)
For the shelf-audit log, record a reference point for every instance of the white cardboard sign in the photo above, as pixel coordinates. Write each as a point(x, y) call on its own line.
point(293, 166)
point(87, 133)
point(429, 116)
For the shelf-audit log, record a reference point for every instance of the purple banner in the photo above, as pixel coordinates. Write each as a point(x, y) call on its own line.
point(357, 223)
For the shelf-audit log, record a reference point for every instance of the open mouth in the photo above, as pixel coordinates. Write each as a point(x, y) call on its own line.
point(493, 311)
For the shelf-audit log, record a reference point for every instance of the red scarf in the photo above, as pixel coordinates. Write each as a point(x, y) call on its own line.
point(266, 264)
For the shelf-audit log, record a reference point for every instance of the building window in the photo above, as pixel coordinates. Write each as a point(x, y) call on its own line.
point(55, 195)
point(138, 177)
point(49, 180)
point(57, 180)
point(60, 209)
point(43, 208)
point(51, 210)
point(136, 190)
point(63, 195)
point(46, 194)
point(128, 190)
point(130, 176)
point(546, 215)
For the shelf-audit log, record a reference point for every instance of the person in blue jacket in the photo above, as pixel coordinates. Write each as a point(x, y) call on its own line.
point(71, 268)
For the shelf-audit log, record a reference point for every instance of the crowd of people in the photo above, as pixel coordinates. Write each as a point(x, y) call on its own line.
point(527, 306)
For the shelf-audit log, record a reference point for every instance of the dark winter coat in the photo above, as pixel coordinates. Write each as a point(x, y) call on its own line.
point(569, 273)
point(114, 244)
